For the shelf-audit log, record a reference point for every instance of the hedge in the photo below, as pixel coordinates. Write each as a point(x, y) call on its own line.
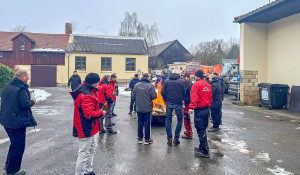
point(6, 75)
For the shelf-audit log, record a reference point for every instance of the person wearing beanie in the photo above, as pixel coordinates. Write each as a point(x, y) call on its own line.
point(111, 96)
point(188, 134)
point(133, 82)
point(173, 95)
point(102, 98)
point(201, 99)
point(86, 122)
point(117, 93)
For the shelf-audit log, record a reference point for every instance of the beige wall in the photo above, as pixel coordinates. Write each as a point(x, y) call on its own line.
point(93, 64)
point(177, 66)
point(253, 51)
point(284, 51)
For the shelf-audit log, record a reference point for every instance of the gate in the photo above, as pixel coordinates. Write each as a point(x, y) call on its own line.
point(43, 76)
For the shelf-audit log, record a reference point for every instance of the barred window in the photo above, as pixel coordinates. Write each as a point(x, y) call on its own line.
point(80, 63)
point(106, 64)
point(130, 64)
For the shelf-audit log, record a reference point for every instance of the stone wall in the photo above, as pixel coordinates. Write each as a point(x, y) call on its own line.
point(249, 92)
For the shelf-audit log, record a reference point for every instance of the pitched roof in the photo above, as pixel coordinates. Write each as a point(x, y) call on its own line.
point(155, 50)
point(108, 44)
point(42, 40)
point(271, 12)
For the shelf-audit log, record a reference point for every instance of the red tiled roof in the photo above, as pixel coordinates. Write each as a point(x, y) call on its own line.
point(55, 41)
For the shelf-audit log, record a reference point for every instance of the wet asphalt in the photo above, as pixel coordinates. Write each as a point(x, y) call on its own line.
point(251, 141)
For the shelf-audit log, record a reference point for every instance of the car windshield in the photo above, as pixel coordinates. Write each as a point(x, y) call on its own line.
point(225, 69)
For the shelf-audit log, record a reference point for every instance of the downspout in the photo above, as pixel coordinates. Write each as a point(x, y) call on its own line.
point(68, 55)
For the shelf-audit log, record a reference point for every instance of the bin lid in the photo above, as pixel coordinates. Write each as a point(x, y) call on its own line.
point(264, 85)
point(273, 85)
point(280, 85)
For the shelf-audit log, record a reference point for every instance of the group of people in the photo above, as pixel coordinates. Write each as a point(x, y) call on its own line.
point(94, 100)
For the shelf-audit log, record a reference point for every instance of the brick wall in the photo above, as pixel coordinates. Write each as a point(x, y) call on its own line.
point(249, 92)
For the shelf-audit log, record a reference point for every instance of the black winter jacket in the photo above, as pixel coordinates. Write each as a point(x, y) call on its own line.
point(173, 90)
point(216, 93)
point(143, 94)
point(15, 106)
point(74, 81)
point(187, 90)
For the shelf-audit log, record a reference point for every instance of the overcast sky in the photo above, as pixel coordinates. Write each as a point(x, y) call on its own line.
point(189, 21)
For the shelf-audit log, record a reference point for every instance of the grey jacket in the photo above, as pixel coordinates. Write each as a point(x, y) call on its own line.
point(143, 94)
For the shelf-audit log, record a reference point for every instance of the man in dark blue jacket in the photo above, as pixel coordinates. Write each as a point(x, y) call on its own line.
point(15, 117)
point(162, 78)
point(216, 103)
point(133, 82)
point(173, 95)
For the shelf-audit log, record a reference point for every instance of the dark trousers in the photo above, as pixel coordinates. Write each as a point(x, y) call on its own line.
point(113, 106)
point(179, 113)
point(132, 104)
point(216, 117)
point(16, 149)
point(144, 119)
point(201, 123)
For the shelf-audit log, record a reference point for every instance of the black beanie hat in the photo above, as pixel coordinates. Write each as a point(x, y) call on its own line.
point(136, 75)
point(199, 74)
point(92, 78)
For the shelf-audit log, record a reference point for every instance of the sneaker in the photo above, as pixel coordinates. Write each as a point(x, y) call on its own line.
point(200, 154)
point(20, 172)
point(213, 130)
point(186, 137)
point(111, 131)
point(102, 131)
point(176, 142)
point(140, 141)
point(148, 141)
point(169, 142)
point(130, 113)
point(134, 112)
point(115, 115)
point(92, 173)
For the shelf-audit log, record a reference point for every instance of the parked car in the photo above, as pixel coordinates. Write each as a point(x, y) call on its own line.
point(233, 87)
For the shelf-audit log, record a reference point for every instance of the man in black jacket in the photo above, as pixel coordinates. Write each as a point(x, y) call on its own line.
point(15, 116)
point(216, 103)
point(188, 134)
point(143, 94)
point(74, 81)
point(173, 95)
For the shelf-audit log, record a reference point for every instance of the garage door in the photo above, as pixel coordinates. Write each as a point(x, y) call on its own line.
point(43, 76)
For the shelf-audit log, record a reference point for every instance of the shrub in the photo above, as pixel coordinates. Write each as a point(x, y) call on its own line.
point(6, 75)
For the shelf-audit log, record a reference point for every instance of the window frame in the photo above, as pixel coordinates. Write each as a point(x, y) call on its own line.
point(81, 63)
point(1, 55)
point(44, 54)
point(129, 69)
point(21, 44)
point(105, 67)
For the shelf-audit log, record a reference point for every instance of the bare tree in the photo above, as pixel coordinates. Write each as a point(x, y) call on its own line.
point(132, 27)
point(19, 28)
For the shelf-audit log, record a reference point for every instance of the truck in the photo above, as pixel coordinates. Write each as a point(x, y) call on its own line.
point(229, 71)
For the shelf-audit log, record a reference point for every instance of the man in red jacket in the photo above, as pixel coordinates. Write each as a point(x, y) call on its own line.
point(86, 123)
point(201, 99)
point(111, 98)
point(102, 98)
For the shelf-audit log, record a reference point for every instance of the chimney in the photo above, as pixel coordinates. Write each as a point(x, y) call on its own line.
point(68, 28)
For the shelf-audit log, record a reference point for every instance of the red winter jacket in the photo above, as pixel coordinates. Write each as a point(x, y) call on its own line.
point(102, 87)
point(201, 95)
point(111, 93)
point(86, 112)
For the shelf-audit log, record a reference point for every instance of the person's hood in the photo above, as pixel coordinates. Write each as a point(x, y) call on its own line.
point(84, 88)
point(145, 80)
point(174, 77)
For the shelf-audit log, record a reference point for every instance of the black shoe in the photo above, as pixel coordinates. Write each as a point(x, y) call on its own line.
point(115, 115)
point(102, 131)
point(20, 172)
point(113, 124)
point(92, 173)
point(111, 131)
point(169, 142)
point(176, 142)
point(148, 141)
point(200, 154)
point(213, 130)
point(130, 113)
point(140, 141)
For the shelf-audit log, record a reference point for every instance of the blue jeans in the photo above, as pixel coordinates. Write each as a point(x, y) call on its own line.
point(216, 116)
point(201, 123)
point(144, 119)
point(179, 113)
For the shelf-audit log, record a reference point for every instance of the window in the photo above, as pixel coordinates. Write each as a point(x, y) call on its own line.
point(21, 45)
point(80, 63)
point(105, 64)
point(44, 56)
point(1, 54)
point(130, 64)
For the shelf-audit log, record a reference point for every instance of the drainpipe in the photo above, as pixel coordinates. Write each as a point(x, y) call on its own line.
point(68, 55)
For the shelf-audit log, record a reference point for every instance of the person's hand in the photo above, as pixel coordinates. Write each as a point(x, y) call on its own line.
point(34, 100)
point(104, 113)
point(191, 111)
